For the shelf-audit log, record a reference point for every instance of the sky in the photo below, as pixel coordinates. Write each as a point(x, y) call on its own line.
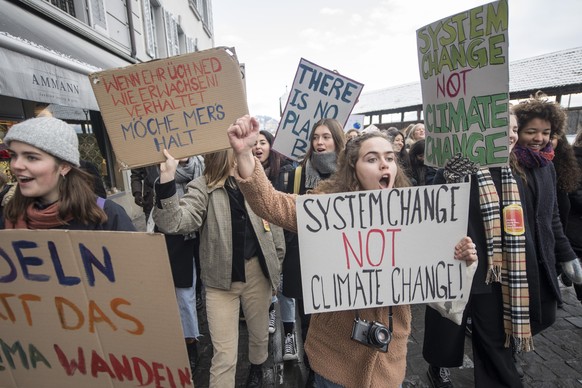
point(369, 41)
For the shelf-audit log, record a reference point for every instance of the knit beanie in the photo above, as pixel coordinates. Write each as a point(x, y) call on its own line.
point(51, 135)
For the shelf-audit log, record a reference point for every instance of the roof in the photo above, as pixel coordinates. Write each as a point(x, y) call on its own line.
point(555, 73)
point(559, 69)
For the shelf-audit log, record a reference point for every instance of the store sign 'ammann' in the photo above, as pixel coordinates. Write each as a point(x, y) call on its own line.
point(57, 83)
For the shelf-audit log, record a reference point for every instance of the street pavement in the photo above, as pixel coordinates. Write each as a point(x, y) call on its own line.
point(555, 362)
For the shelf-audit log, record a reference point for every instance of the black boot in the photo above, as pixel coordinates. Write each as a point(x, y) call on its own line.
point(255, 378)
point(439, 377)
point(520, 371)
point(192, 355)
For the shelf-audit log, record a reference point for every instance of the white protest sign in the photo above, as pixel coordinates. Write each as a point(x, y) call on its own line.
point(88, 309)
point(463, 61)
point(317, 93)
point(354, 122)
point(383, 247)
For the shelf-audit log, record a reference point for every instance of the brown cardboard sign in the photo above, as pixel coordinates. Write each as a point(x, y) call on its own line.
point(88, 309)
point(183, 104)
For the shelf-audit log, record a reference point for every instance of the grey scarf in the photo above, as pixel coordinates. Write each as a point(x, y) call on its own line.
point(188, 172)
point(319, 164)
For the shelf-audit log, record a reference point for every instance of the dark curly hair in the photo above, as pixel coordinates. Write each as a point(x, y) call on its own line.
point(539, 107)
point(568, 171)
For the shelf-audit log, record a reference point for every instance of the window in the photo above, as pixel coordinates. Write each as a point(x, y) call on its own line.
point(203, 11)
point(98, 15)
point(90, 12)
point(150, 29)
point(172, 40)
point(191, 44)
point(67, 6)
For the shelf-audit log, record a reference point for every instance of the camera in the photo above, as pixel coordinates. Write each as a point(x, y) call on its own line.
point(372, 334)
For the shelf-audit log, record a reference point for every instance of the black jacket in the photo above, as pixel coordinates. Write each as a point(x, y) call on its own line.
point(574, 228)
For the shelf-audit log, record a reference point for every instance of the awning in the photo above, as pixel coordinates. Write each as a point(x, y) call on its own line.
point(40, 61)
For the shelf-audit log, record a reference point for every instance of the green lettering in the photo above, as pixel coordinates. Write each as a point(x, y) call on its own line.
point(496, 56)
point(459, 19)
point(451, 35)
point(492, 150)
point(458, 56)
point(458, 117)
point(445, 60)
point(497, 20)
point(474, 114)
point(477, 56)
point(475, 21)
point(15, 349)
point(499, 106)
point(36, 356)
point(475, 154)
point(422, 35)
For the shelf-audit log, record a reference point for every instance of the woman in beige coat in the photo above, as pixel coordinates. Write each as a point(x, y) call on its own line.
point(368, 163)
point(240, 259)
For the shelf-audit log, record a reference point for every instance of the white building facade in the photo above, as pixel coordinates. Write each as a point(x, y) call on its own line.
point(49, 47)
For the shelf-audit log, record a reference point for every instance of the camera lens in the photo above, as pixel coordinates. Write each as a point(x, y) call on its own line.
point(379, 335)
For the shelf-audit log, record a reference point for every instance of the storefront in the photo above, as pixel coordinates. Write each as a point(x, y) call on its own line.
point(44, 70)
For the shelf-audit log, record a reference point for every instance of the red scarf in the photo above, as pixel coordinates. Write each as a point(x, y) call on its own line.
point(47, 218)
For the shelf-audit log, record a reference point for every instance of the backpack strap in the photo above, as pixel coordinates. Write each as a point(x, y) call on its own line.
point(297, 181)
point(101, 202)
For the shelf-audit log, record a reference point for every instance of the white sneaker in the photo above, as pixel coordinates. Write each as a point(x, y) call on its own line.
point(290, 348)
point(272, 321)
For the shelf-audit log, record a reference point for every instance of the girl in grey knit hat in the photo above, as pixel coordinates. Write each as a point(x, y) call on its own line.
point(52, 191)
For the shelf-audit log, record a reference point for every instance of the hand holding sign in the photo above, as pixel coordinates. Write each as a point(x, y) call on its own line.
point(168, 168)
point(465, 250)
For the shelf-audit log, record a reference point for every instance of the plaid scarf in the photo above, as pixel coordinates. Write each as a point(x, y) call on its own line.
point(506, 254)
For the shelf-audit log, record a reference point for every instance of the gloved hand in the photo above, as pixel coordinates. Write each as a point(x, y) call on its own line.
point(138, 198)
point(457, 168)
point(573, 270)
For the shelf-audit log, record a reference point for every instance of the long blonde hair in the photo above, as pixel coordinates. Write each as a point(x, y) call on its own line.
point(217, 167)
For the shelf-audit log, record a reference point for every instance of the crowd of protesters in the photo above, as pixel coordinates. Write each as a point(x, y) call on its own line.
point(230, 224)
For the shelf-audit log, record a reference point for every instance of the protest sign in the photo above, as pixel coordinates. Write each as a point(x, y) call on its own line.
point(354, 122)
point(463, 61)
point(88, 309)
point(383, 247)
point(317, 93)
point(183, 104)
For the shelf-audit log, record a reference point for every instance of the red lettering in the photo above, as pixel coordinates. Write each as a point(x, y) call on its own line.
point(393, 231)
point(377, 231)
point(138, 365)
point(99, 365)
point(72, 365)
point(359, 259)
point(122, 369)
